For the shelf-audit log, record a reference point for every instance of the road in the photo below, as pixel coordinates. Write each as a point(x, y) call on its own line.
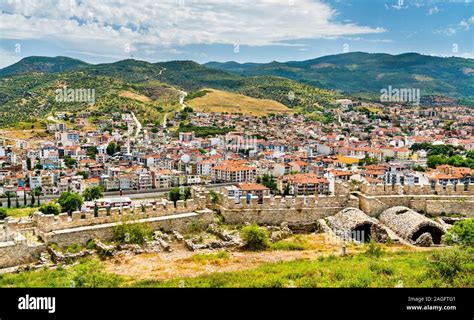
point(132, 194)
point(182, 95)
point(138, 124)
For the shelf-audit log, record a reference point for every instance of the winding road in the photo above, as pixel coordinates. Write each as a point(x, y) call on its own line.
point(182, 95)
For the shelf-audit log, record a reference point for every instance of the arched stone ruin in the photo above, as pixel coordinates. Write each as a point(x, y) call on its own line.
point(412, 226)
point(354, 223)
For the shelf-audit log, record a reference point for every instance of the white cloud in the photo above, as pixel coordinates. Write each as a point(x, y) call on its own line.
point(115, 23)
point(433, 10)
point(466, 24)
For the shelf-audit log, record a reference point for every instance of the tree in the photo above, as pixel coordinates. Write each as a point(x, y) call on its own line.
point(70, 202)
point(69, 162)
point(112, 148)
point(436, 160)
point(268, 181)
point(84, 174)
point(32, 194)
point(92, 152)
point(3, 213)
point(9, 195)
point(28, 163)
point(50, 208)
point(174, 195)
point(93, 193)
point(186, 194)
point(38, 192)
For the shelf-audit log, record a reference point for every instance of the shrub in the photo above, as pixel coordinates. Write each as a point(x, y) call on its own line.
point(90, 244)
point(88, 274)
point(3, 213)
point(462, 232)
point(449, 264)
point(74, 248)
point(374, 249)
point(50, 208)
point(255, 238)
point(134, 233)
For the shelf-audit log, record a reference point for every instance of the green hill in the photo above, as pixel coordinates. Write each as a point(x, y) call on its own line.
point(364, 73)
point(42, 65)
point(143, 86)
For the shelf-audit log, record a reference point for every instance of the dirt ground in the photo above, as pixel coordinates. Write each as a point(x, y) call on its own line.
point(182, 263)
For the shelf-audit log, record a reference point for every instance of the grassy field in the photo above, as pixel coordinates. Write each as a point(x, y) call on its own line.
point(222, 101)
point(20, 212)
point(373, 268)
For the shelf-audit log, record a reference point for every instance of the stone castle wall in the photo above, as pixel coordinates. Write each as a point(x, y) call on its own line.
point(14, 253)
point(47, 223)
point(299, 210)
point(181, 222)
point(398, 189)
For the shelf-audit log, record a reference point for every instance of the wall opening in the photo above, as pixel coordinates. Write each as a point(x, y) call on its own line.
point(361, 233)
point(435, 232)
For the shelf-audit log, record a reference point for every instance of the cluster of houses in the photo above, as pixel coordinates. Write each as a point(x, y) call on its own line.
point(300, 156)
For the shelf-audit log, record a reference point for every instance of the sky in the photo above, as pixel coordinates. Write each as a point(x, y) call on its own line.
point(99, 31)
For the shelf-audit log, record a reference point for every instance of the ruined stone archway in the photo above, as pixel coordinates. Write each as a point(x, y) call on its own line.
point(435, 233)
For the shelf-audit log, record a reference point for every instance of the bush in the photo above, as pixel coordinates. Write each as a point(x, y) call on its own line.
point(374, 249)
point(255, 238)
point(134, 233)
point(74, 248)
point(50, 208)
point(3, 213)
point(462, 232)
point(88, 274)
point(451, 264)
point(90, 245)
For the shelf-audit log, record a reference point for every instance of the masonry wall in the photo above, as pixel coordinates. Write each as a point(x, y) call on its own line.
point(14, 253)
point(425, 204)
point(47, 223)
point(179, 222)
point(274, 210)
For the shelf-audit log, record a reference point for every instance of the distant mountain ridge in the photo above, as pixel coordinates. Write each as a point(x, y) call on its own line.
point(43, 65)
point(360, 72)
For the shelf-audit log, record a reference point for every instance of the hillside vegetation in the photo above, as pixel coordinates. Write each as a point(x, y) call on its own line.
point(148, 89)
point(359, 72)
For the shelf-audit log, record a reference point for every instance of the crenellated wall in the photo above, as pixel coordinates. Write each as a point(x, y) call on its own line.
point(47, 223)
point(449, 199)
point(398, 189)
point(298, 210)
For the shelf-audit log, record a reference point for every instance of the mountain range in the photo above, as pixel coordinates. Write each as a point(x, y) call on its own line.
point(27, 88)
point(359, 72)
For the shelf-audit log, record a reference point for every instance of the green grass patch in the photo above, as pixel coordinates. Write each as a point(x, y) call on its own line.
point(407, 269)
point(210, 258)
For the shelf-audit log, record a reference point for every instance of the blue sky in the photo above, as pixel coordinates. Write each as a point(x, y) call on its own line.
point(241, 30)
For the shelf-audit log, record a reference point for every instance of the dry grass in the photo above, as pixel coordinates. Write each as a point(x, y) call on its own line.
point(222, 101)
point(134, 96)
point(183, 263)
